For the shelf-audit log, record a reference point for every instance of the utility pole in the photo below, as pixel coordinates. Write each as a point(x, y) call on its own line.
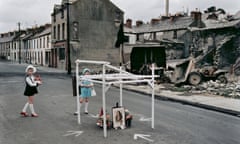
point(69, 67)
point(19, 43)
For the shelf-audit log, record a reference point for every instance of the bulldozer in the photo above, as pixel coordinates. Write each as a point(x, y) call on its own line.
point(187, 72)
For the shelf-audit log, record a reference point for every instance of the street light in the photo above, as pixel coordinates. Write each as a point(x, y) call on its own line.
point(19, 42)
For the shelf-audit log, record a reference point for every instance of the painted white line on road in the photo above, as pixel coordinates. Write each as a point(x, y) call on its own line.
point(142, 117)
point(143, 136)
point(76, 133)
point(145, 119)
point(6, 82)
point(94, 116)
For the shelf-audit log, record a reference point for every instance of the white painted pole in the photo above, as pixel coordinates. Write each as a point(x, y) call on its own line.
point(104, 102)
point(77, 89)
point(153, 94)
point(121, 86)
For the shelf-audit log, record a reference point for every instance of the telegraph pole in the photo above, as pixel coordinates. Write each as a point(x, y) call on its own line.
point(19, 43)
point(69, 67)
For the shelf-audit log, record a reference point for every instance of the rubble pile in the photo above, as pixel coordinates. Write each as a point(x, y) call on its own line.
point(231, 89)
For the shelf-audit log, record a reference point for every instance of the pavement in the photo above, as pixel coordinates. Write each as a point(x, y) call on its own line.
point(222, 104)
point(212, 102)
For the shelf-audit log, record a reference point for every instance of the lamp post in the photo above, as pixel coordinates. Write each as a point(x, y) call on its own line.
point(69, 67)
point(19, 43)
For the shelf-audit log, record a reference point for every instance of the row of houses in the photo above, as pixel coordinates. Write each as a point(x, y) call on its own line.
point(83, 29)
point(28, 46)
point(89, 29)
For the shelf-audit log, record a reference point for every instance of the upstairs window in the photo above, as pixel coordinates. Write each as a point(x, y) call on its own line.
point(63, 31)
point(174, 34)
point(62, 13)
point(58, 32)
point(54, 32)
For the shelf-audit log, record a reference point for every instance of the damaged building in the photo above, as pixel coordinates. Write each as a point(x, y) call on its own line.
point(212, 37)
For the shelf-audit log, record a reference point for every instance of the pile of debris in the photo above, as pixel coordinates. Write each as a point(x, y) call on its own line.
point(231, 89)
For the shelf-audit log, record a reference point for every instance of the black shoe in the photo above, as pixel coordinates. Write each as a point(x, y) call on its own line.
point(76, 113)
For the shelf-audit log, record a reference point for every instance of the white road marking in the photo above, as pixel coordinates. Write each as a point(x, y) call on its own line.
point(143, 136)
point(76, 133)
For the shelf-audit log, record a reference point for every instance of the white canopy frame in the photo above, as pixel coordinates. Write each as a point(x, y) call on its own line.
point(109, 79)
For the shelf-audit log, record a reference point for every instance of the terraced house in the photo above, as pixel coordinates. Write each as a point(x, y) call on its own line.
point(85, 29)
point(37, 46)
point(27, 46)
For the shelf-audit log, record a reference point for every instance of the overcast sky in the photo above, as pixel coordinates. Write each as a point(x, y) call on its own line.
point(37, 12)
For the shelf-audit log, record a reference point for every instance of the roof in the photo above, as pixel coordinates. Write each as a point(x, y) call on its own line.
point(218, 24)
point(184, 23)
point(44, 32)
point(7, 39)
point(179, 23)
point(27, 36)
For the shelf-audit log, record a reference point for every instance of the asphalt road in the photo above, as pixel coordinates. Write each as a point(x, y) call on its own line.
point(174, 123)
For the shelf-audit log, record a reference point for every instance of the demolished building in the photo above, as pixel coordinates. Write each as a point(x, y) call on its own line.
point(213, 36)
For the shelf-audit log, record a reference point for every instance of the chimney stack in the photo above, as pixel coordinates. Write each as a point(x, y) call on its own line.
point(197, 17)
point(129, 23)
point(139, 23)
point(154, 21)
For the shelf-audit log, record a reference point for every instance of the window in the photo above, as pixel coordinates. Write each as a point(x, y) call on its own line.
point(62, 13)
point(154, 36)
point(137, 39)
point(47, 42)
point(40, 43)
point(54, 32)
point(54, 17)
point(58, 32)
point(174, 34)
point(44, 42)
point(36, 44)
point(61, 53)
point(63, 31)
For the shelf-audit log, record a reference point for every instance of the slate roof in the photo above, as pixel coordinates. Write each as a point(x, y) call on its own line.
point(184, 23)
point(44, 32)
point(27, 36)
point(7, 39)
point(179, 23)
point(219, 24)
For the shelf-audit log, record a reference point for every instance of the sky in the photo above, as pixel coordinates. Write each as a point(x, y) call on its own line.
point(38, 12)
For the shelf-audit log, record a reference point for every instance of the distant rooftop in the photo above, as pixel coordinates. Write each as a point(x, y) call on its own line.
point(177, 23)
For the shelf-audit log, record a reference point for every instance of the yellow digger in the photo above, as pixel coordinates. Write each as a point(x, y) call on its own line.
point(186, 72)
